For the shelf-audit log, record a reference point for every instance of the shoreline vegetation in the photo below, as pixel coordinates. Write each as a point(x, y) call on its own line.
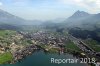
point(6, 58)
point(15, 45)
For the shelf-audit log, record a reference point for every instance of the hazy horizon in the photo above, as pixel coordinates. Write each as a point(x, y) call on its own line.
point(48, 9)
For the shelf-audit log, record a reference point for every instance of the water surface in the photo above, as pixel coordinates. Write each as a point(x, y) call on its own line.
point(39, 58)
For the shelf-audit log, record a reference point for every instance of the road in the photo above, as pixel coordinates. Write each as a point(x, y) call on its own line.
point(83, 46)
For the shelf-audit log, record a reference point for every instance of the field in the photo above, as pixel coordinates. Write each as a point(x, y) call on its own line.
point(5, 57)
point(72, 46)
point(5, 33)
point(93, 44)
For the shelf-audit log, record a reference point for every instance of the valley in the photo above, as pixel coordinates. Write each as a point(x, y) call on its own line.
point(17, 45)
point(74, 36)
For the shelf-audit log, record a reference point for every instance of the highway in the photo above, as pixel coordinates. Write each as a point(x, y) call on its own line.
point(83, 46)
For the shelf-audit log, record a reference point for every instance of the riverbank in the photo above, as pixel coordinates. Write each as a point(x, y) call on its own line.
point(21, 54)
point(6, 58)
point(40, 58)
point(18, 56)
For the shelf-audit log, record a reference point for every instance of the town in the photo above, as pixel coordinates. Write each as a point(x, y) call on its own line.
point(20, 44)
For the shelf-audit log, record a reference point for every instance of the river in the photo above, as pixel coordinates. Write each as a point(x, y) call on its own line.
point(39, 58)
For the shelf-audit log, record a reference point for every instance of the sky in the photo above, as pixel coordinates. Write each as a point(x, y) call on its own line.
point(48, 9)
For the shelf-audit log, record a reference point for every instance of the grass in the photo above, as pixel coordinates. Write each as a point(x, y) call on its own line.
point(72, 46)
point(5, 57)
point(93, 44)
point(53, 50)
point(6, 32)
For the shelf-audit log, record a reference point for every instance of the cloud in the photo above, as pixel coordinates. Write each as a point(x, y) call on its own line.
point(1, 3)
point(90, 5)
point(20, 2)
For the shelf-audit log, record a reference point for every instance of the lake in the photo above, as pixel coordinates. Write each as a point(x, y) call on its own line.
point(39, 58)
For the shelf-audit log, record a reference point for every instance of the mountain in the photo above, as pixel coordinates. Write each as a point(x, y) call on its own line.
point(7, 18)
point(79, 14)
point(9, 21)
point(83, 20)
point(84, 25)
point(34, 22)
point(12, 22)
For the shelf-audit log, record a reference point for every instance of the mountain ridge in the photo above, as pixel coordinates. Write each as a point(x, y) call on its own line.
point(86, 21)
point(79, 14)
